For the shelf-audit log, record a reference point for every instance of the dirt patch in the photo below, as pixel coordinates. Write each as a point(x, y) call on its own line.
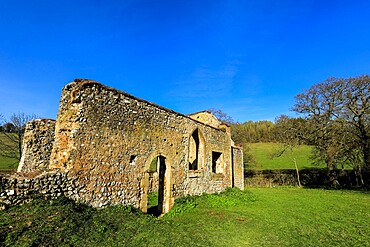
point(217, 214)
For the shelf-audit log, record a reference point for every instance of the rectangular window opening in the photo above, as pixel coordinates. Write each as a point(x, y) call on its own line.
point(132, 159)
point(216, 162)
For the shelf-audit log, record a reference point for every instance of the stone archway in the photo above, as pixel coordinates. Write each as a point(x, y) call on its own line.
point(197, 150)
point(161, 182)
point(157, 179)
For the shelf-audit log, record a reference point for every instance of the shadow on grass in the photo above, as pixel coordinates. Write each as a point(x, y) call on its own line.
point(153, 211)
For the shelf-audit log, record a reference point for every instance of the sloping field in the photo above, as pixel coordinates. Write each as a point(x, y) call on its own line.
point(263, 155)
point(7, 147)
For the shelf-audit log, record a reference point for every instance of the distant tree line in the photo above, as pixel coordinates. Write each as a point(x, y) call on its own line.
point(252, 132)
point(260, 131)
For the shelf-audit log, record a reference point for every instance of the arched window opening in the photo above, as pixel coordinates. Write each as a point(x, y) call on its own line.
point(196, 150)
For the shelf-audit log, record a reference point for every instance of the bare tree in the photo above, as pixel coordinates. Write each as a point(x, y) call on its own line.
point(220, 115)
point(11, 138)
point(338, 113)
point(290, 132)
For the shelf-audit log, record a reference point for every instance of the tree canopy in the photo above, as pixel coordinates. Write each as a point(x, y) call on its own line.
point(338, 115)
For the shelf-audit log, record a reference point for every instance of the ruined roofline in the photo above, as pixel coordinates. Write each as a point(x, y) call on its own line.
point(194, 113)
point(207, 111)
point(85, 82)
point(43, 119)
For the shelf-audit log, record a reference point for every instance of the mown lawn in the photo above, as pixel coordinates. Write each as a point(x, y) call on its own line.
point(256, 217)
point(263, 155)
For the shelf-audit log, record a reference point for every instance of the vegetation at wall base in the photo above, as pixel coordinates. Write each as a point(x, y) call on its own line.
point(255, 217)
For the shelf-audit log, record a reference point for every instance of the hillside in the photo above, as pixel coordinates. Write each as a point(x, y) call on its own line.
point(7, 147)
point(264, 160)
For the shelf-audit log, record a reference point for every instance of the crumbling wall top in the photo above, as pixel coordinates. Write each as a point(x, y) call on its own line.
point(82, 83)
point(206, 117)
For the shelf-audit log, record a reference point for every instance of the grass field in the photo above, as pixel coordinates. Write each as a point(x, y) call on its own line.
point(262, 153)
point(5, 162)
point(257, 217)
point(8, 163)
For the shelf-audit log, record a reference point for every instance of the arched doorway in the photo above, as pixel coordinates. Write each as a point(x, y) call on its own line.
point(161, 182)
point(156, 195)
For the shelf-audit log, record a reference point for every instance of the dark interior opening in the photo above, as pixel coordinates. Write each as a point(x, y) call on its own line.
point(194, 164)
point(215, 159)
point(156, 199)
point(132, 159)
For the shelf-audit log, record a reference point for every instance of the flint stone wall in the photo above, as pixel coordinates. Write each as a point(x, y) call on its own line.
point(17, 189)
point(108, 138)
point(37, 145)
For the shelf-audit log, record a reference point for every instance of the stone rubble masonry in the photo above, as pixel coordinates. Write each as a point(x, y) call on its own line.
point(206, 117)
point(106, 141)
point(17, 189)
point(37, 145)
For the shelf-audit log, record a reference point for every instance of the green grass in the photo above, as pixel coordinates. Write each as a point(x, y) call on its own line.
point(8, 163)
point(257, 217)
point(152, 199)
point(262, 153)
point(311, 217)
point(5, 162)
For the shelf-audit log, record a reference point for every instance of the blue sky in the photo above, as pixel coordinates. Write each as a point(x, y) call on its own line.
point(247, 58)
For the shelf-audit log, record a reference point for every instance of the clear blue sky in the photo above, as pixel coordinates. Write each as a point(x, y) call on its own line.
point(247, 58)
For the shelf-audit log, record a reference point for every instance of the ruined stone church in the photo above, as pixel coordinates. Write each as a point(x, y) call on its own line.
point(117, 148)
